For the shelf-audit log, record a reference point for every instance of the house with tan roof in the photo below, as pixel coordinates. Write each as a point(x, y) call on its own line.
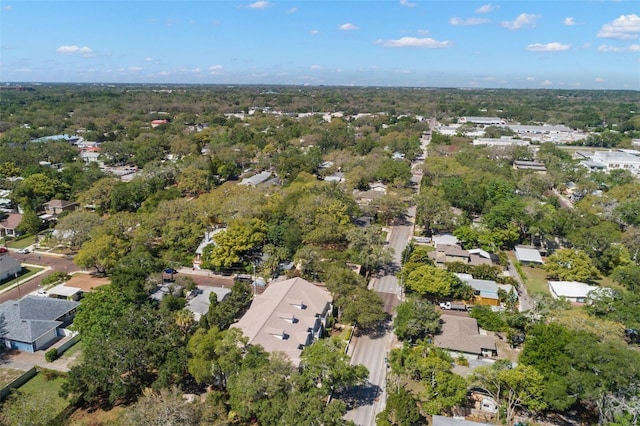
point(287, 316)
point(461, 336)
point(9, 225)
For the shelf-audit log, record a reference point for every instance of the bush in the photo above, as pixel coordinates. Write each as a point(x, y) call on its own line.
point(50, 374)
point(487, 319)
point(55, 278)
point(51, 355)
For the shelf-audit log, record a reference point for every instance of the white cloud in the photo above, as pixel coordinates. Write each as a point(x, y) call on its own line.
point(261, 4)
point(548, 47)
point(196, 70)
point(487, 8)
point(569, 22)
point(530, 78)
point(292, 10)
point(348, 27)
point(214, 69)
point(423, 32)
point(315, 67)
point(624, 28)
point(546, 83)
point(75, 50)
point(599, 80)
point(608, 48)
point(407, 3)
point(425, 43)
point(524, 20)
point(466, 22)
point(8, 8)
point(164, 73)
point(135, 69)
point(314, 32)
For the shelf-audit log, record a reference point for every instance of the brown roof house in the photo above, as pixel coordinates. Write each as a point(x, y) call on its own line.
point(461, 336)
point(53, 208)
point(9, 225)
point(288, 316)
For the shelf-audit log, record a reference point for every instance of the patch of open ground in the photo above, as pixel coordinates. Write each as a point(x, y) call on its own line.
point(113, 417)
point(86, 282)
point(8, 375)
point(39, 384)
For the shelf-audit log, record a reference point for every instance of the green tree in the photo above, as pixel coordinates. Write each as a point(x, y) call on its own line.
point(37, 189)
point(432, 281)
point(416, 318)
point(325, 365)
point(21, 409)
point(401, 410)
point(570, 265)
point(102, 252)
point(30, 223)
point(362, 306)
point(367, 248)
point(237, 240)
point(511, 388)
point(76, 227)
point(167, 407)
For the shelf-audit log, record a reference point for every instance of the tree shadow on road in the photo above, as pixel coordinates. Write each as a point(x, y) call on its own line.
point(359, 396)
point(377, 331)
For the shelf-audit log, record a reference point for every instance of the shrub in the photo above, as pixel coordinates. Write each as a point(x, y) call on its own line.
point(48, 374)
point(51, 355)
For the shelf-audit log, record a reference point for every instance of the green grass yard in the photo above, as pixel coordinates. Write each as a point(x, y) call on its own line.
point(39, 385)
point(536, 281)
point(21, 243)
point(30, 272)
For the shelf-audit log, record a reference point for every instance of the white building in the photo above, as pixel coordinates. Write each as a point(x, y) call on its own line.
point(503, 141)
point(485, 121)
point(573, 291)
point(612, 160)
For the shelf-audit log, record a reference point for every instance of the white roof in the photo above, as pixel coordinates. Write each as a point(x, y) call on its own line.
point(570, 289)
point(63, 290)
point(524, 254)
point(445, 239)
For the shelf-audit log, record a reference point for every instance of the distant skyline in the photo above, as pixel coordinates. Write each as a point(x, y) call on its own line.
point(510, 44)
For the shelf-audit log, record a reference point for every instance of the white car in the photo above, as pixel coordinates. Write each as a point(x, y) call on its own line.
point(23, 251)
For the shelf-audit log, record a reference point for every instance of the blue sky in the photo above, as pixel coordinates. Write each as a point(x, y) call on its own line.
point(509, 44)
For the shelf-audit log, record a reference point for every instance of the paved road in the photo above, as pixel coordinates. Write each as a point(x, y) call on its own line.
point(372, 348)
point(55, 263)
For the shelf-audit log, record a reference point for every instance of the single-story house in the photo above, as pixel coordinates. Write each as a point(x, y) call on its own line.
point(486, 291)
point(256, 180)
point(461, 336)
point(206, 240)
point(9, 225)
point(573, 291)
point(55, 207)
point(33, 322)
point(288, 316)
point(199, 304)
point(447, 239)
point(9, 266)
point(528, 256)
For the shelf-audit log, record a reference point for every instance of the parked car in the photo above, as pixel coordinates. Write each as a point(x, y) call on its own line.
point(23, 251)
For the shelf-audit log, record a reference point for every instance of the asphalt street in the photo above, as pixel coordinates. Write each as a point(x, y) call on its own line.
point(371, 349)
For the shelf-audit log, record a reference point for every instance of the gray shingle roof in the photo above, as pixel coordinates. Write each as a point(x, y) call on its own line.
point(32, 316)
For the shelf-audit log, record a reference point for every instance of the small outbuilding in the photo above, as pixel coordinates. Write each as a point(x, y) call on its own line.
point(528, 256)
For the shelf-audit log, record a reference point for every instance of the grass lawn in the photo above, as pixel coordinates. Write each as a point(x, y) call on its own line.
point(30, 271)
point(21, 243)
point(536, 281)
point(8, 375)
point(39, 385)
point(74, 352)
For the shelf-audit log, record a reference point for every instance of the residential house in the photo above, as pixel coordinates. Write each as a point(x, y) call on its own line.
point(461, 336)
point(445, 253)
point(62, 291)
point(156, 123)
point(9, 225)
point(287, 316)
point(206, 241)
point(528, 256)
point(55, 207)
point(486, 291)
point(199, 304)
point(9, 266)
point(536, 166)
point(256, 180)
point(611, 160)
point(33, 323)
point(573, 291)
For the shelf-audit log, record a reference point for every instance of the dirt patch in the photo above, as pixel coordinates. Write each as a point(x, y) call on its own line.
point(8, 375)
point(83, 417)
point(86, 282)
